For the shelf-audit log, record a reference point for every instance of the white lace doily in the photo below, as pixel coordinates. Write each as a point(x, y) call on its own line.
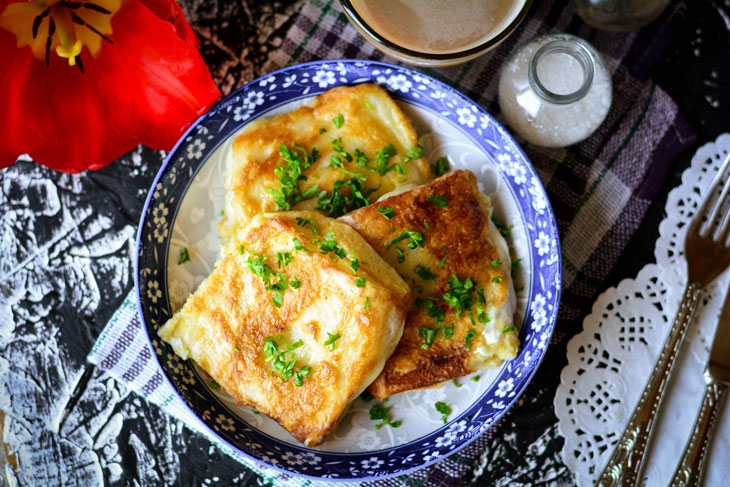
point(610, 361)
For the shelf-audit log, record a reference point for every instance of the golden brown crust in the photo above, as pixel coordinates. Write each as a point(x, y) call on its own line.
point(223, 325)
point(460, 234)
point(371, 120)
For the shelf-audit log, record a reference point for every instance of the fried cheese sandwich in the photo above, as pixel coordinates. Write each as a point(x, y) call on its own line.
point(296, 321)
point(341, 151)
point(441, 240)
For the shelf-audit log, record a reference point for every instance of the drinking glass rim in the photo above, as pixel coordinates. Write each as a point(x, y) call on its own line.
point(359, 22)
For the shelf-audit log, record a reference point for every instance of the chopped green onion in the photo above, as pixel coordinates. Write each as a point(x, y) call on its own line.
point(388, 213)
point(444, 409)
point(283, 259)
point(339, 120)
point(367, 396)
point(424, 273)
point(428, 335)
point(331, 339)
point(441, 167)
point(416, 239)
point(470, 335)
point(380, 413)
point(438, 201)
point(298, 246)
point(303, 221)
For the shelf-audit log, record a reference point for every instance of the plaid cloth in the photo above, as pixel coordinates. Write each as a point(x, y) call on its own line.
point(600, 189)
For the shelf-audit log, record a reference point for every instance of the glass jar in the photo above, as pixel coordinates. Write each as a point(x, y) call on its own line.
point(619, 15)
point(555, 90)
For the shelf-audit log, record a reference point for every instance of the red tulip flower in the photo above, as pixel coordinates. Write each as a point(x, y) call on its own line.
point(84, 82)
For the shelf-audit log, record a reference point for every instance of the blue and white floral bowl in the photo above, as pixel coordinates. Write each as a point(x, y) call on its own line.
point(185, 203)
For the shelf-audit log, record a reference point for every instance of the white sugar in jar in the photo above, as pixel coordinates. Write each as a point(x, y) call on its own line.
point(555, 90)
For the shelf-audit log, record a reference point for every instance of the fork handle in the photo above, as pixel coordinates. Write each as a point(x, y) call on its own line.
point(691, 468)
point(625, 464)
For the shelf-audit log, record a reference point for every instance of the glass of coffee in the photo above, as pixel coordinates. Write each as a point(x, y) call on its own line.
point(435, 32)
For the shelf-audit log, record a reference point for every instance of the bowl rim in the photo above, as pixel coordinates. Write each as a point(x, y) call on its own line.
point(225, 444)
point(373, 36)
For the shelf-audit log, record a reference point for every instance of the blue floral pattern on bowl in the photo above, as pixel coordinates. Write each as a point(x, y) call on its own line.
point(302, 81)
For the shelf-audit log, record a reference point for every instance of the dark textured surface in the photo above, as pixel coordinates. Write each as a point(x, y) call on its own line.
point(65, 243)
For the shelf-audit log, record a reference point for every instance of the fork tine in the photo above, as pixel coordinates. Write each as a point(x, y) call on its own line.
point(724, 229)
point(703, 209)
point(715, 213)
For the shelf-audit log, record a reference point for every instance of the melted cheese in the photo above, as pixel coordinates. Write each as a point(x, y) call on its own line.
point(371, 120)
point(222, 326)
point(463, 235)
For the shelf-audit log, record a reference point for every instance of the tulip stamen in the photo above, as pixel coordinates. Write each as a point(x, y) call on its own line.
point(97, 8)
point(39, 20)
point(69, 5)
point(73, 26)
point(49, 41)
point(78, 20)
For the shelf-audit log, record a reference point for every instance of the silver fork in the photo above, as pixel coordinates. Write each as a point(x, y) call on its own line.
point(706, 258)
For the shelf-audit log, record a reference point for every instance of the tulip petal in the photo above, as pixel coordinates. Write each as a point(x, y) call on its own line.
point(165, 84)
point(170, 11)
point(148, 87)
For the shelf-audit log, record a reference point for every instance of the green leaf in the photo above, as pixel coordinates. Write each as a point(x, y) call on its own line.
point(184, 256)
